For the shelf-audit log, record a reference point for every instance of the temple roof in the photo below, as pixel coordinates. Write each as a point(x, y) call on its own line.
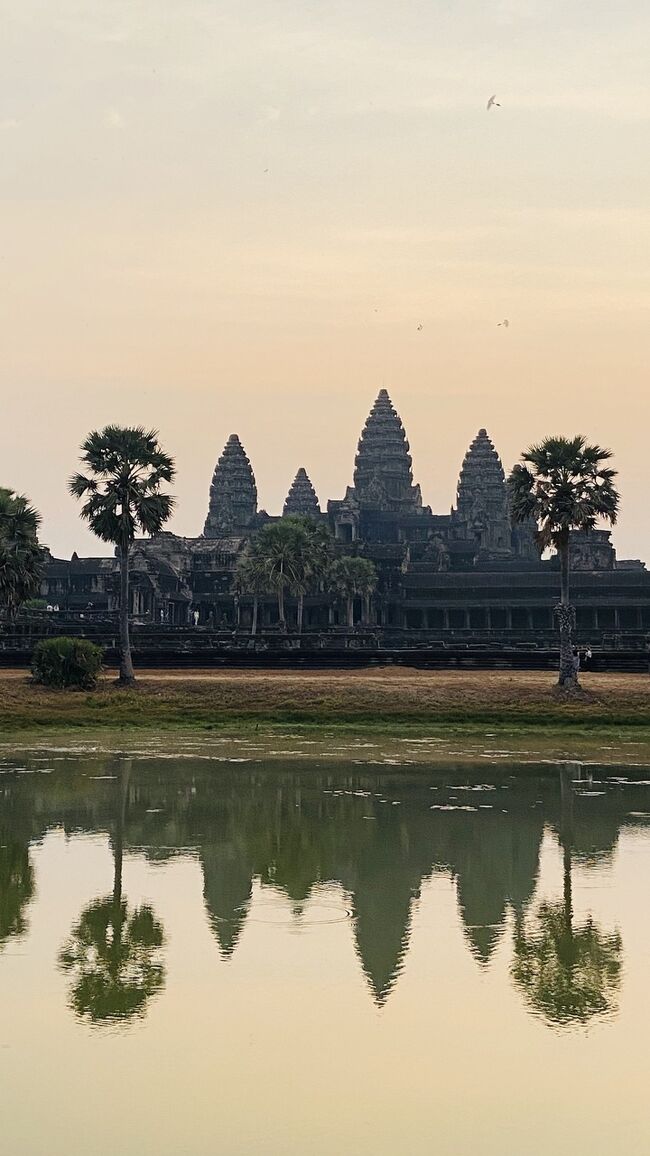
point(302, 499)
point(382, 469)
point(233, 493)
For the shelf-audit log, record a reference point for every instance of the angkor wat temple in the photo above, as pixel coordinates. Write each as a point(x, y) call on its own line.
point(469, 573)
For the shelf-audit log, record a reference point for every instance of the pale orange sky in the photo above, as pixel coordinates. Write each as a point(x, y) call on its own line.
point(152, 271)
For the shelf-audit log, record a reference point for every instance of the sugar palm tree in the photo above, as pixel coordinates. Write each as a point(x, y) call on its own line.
point(350, 577)
point(563, 484)
point(21, 557)
point(114, 954)
point(367, 584)
point(122, 492)
point(251, 578)
point(278, 550)
point(313, 560)
point(16, 886)
point(567, 973)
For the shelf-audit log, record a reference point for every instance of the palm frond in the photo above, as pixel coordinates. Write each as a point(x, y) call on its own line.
point(563, 485)
point(126, 467)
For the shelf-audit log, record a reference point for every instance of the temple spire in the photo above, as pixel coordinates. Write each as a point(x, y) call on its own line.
point(233, 493)
point(482, 497)
point(301, 499)
point(382, 470)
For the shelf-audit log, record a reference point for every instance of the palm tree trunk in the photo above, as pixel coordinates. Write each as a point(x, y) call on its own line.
point(281, 617)
point(126, 677)
point(118, 847)
point(566, 835)
point(366, 610)
point(568, 676)
point(254, 620)
point(350, 606)
point(118, 857)
point(301, 608)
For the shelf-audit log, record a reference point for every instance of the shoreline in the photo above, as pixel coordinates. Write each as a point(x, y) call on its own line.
point(299, 750)
point(391, 706)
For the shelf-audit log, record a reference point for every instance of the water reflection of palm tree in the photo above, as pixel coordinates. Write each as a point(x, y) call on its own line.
point(114, 954)
point(568, 973)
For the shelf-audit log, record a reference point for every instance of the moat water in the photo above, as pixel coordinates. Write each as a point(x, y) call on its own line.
point(207, 954)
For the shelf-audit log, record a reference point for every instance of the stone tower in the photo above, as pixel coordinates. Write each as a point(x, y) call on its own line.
point(233, 493)
point(383, 475)
point(481, 513)
point(302, 499)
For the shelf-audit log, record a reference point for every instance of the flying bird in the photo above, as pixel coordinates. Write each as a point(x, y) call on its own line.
point(420, 327)
point(493, 101)
point(505, 323)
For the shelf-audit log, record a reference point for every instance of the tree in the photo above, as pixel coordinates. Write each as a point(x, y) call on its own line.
point(21, 556)
point(114, 954)
point(251, 578)
point(563, 484)
point(568, 974)
point(352, 577)
point(313, 561)
point(278, 551)
point(122, 491)
point(16, 886)
point(287, 557)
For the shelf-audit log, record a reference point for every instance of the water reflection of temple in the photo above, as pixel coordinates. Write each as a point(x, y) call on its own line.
point(379, 836)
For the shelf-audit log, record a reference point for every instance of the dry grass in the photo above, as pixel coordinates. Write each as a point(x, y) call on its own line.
point(376, 699)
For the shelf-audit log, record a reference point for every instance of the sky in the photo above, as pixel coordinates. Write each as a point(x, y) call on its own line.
point(222, 217)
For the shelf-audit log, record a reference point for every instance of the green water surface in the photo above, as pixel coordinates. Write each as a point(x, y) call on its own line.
point(210, 953)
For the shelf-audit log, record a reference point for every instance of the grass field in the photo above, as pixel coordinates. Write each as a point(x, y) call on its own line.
point(375, 701)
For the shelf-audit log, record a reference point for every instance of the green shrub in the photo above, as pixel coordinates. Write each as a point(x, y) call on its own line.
point(64, 662)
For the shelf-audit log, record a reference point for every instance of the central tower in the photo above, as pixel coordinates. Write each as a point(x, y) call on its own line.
point(383, 475)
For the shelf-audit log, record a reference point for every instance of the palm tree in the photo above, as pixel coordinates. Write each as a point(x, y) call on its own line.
point(563, 484)
point(350, 577)
point(251, 578)
point(21, 557)
point(367, 584)
point(313, 561)
point(114, 954)
point(16, 886)
point(568, 974)
point(278, 550)
point(122, 490)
